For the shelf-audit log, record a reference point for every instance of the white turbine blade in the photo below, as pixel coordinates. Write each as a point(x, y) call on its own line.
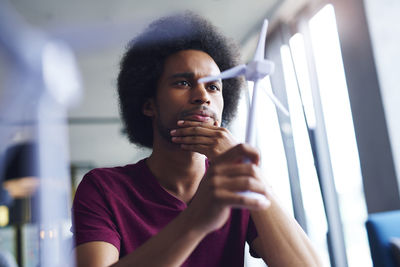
point(260, 51)
point(229, 73)
point(277, 103)
point(250, 139)
point(250, 129)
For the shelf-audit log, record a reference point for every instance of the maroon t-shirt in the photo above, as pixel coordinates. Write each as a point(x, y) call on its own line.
point(125, 206)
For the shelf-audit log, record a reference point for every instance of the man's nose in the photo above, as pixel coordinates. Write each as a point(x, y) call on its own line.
point(200, 94)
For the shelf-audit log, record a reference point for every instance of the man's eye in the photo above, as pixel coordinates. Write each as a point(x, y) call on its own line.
point(182, 83)
point(214, 87)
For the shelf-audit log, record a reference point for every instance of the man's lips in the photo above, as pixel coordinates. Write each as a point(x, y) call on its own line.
point(202, 115)
point(198, 117)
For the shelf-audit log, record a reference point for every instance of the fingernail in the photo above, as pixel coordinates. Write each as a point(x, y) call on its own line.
point(264, 203)
point(173, 132)
point(181, 122)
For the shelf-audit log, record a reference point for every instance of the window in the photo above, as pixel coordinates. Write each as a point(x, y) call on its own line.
point(340, 134)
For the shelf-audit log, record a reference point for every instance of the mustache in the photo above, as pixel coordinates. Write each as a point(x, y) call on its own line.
point(203, 110)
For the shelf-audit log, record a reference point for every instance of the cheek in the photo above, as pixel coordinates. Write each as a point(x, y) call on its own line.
point(219, 106)
point(169, 108)
point(220, 103)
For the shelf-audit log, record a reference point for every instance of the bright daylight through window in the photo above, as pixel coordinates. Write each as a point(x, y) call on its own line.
point(340, 134)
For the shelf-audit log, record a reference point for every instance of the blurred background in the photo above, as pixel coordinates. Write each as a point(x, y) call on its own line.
point(334, 161)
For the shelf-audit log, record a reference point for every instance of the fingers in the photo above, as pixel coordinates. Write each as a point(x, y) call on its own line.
point(240, 184)
point(237, 177)
point(237, 169)
point(239, 153)
point(203, 138)
point(192, 128)
point(226, 180)
point(183, 123)
point(232, 199)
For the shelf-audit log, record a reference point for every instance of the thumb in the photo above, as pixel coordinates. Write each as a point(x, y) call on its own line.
point(240, 153)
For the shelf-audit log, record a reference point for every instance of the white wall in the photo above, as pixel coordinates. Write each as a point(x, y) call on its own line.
point(384, 26)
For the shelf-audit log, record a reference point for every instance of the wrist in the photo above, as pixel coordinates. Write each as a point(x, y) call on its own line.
point(189, 224)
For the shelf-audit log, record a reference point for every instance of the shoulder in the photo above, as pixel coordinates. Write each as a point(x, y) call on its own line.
point(119, 171)
point(105, 179)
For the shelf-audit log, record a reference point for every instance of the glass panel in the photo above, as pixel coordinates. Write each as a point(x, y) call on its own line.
point(269, 142)
point(340, 134)
point(312, 200)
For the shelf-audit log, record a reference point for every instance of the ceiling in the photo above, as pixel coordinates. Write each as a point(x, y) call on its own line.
point(109, 22)
point(97, 32)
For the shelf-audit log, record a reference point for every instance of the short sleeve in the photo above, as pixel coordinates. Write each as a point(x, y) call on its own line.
point(92, 216)
point(395, 249)
point(251, 235)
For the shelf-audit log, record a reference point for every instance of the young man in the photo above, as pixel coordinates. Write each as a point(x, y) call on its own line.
point(180, 206)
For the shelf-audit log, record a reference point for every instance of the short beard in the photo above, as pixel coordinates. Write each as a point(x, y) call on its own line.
point(163, 131)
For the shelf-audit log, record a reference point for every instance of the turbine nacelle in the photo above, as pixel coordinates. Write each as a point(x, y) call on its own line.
point(256, 70)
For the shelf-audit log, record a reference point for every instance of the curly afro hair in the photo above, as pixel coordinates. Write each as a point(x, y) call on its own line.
point(143, 62)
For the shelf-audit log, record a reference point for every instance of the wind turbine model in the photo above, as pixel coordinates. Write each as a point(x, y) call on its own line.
point(255, 70)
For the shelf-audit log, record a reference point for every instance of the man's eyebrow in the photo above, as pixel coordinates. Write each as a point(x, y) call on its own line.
point(188, 75)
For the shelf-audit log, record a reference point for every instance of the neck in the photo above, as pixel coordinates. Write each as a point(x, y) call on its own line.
point(178, 171)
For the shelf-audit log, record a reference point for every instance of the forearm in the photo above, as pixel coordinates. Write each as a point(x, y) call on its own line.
point(283, 241)
point(170, 247)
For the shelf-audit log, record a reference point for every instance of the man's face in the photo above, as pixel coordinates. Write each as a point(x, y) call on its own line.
point(180, 97)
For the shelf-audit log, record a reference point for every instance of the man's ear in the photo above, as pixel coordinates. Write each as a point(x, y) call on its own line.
point(149, 108)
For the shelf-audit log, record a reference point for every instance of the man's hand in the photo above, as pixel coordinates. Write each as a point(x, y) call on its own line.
point(209, 140)
point(217, 193)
